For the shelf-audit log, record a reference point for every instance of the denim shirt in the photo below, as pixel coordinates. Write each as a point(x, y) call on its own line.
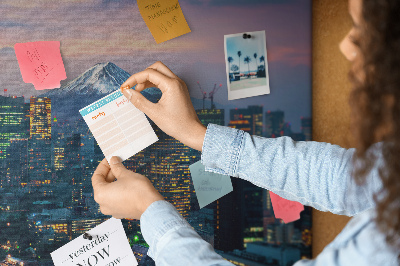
point(312, 173)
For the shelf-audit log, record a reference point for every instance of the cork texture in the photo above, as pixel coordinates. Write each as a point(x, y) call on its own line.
point(331, 89)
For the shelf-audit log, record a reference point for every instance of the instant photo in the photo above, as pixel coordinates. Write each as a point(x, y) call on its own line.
point(246, 64)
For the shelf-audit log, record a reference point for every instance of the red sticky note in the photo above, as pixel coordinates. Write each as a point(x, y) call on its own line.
point(284, 209)
point(41, 63)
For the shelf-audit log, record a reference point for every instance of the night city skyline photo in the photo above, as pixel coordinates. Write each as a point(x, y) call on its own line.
point(48, 154)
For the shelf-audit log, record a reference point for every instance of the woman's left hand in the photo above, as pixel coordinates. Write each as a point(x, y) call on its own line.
point(128, 196)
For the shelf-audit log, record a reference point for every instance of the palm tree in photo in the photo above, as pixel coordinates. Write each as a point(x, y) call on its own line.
point(255, 61)
point(262, 59)
point(239, 55)
point(247, 60)
point(234, 68)
point(230, 60)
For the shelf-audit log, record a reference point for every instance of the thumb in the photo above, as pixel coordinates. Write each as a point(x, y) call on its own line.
point(117, 168)
point(100, 174)
point(138, 100)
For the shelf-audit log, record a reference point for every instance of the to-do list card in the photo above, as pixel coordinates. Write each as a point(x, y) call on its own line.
point(118, 126)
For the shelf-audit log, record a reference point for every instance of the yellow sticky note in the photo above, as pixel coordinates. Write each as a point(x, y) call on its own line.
point(164, 18)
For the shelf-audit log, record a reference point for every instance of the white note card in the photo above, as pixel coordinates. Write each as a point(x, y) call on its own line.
point(209, 186)
point(108, 247)
point(118, 126)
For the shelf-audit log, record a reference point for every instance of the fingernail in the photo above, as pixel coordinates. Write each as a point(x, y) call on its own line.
point(115, 160)
point(124, 88)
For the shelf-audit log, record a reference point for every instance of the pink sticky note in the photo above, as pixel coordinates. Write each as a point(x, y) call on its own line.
point(41, 63)
point(287, 210)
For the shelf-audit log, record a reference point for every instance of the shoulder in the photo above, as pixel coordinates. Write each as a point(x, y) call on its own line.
point(361, 241)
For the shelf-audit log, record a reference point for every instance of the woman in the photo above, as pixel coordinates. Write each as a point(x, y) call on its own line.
point(360, 182)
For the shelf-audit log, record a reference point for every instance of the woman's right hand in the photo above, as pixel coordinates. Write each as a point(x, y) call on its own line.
point(174, 113)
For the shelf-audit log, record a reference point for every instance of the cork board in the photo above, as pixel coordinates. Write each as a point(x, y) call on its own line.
point(102, 41)
point(331, 89)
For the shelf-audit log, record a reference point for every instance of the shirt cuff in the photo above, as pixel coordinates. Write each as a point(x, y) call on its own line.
point(221, 151)
point(159, 218)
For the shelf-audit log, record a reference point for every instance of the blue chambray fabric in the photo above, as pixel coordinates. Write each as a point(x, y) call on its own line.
point(172, 240)
point(312, 173)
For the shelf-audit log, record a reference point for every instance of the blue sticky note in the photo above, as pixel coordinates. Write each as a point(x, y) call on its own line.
point(209, 186)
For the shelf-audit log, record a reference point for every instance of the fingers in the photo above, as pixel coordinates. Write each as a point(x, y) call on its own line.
point(117, 167)
point(143, 86)
point(139, 101)
point(99, 176)
point(110, 177)
point(159, 80)
point(160, 67)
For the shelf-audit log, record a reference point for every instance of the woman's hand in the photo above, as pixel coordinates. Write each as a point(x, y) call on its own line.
point(174, 113)
point(128, 196)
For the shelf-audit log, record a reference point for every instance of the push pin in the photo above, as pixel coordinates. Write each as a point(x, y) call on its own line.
point(87, 236)
point(246, 36)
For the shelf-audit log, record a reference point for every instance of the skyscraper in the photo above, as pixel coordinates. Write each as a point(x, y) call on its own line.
point(229, 219)
point(17, 163)
point(213, 116)
point(89, 160)
point(40, 118)
point(253, 114)
point(274, 122)
point(13, 123)
point(72, 151)
point(58, 141)
point(252, 211)
point(242, 124)
point(40, 141)
point(268, 213)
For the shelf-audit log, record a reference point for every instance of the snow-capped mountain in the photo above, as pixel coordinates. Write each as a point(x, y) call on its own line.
point(93, 84)
point(102, 78)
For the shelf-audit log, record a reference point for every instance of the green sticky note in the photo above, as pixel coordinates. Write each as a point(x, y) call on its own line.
point(209, 186)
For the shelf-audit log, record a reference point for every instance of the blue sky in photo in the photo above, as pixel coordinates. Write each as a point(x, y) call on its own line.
point(248, 47)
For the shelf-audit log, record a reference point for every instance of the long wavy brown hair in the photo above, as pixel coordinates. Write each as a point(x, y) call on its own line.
point(375, 103)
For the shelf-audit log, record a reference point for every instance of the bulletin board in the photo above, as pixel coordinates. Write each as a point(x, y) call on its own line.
point(331, 111)
point(46, 197)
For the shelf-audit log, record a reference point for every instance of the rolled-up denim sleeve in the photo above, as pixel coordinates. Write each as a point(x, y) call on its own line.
point(173, 241)
point(313, 173)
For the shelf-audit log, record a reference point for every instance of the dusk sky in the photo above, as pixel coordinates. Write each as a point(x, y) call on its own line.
point(94, 31)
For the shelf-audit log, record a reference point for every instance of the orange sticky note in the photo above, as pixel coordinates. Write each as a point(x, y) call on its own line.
point(41, 63)
point(164, 18)
point(284, 209)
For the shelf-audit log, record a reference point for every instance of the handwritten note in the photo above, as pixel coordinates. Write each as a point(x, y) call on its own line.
point(108, 246)
point(287, 210)
point(41, 64)
point(164, 18)
point(118, 126)
point(209, 186)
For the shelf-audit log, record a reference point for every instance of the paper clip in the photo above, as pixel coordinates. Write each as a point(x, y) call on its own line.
point(88, 236)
